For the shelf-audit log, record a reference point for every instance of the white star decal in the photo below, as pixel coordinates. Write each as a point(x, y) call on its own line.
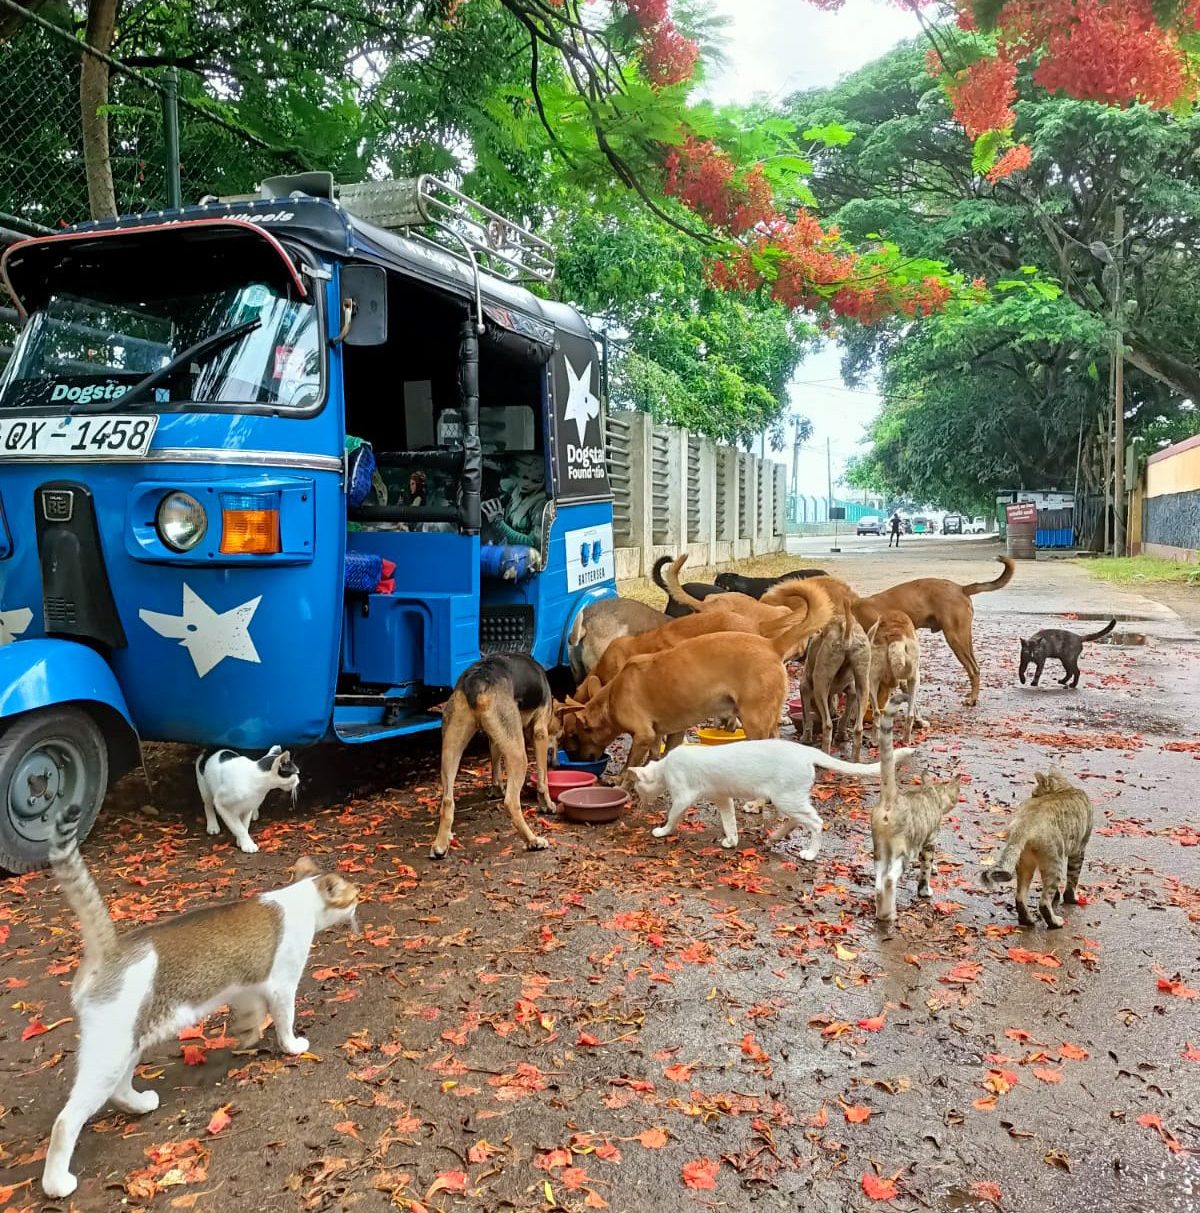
point(582, 406)
point(13, 623)
point(208, 637)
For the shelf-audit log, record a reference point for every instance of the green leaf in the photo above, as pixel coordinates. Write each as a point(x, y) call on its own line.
point(832, 134)
point(983, 154)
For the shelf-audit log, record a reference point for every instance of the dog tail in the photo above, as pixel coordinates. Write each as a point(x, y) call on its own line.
point(675, 591)
point(787, 634)
point(985, 587)
point(656, 573)
point(897, 659)
point(78, 886)
point(830, 763)
point(1104, 631)
point(847, 619)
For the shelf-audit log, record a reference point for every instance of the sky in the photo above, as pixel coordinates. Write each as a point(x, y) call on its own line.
point(777, 47)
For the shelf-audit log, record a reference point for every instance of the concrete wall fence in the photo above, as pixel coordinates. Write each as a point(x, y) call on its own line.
point(1170, 506)
point(674, 491)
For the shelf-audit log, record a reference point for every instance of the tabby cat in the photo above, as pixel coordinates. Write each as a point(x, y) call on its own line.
point(1049, 834)
point(904, 825)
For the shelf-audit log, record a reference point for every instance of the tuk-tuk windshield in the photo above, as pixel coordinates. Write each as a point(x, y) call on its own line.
point(89, 349)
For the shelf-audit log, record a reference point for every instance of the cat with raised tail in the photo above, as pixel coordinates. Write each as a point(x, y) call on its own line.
point(1049, 834)
point(904, 825)
point(136, 989)
point(233, 788)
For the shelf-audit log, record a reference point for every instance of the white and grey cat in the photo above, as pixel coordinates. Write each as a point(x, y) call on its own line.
point(139, 988)
point(233, 788)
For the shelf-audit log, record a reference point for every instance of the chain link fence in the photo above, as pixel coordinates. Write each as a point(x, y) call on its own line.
point(43, 182)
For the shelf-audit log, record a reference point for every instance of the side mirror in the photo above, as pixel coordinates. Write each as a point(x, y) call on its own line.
point(364, 305)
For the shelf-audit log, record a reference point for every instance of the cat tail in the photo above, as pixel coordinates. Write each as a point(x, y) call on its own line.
point(887, 756)
point(1002, 870)
point(830, 763)
point(1104, 631)
point(78, 886)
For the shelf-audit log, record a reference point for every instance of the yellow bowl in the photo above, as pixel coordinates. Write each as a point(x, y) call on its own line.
point(720, 736)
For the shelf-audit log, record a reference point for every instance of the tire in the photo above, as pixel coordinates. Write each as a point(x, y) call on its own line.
point(48, 756)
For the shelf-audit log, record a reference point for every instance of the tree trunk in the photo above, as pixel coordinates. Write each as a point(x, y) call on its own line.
point(93, 97)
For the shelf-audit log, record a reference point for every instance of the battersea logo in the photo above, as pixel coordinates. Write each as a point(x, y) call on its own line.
point(85, 395)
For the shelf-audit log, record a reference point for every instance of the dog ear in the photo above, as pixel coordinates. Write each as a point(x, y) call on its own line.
point(592, 686)
point(570, 704)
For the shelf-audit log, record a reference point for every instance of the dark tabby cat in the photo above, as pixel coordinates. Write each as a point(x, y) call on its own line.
point(1060, 644)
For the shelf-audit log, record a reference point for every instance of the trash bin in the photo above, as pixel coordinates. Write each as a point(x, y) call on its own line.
point(1022, 530)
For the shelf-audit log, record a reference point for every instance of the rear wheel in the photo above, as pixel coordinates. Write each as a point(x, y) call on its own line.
point(49, 759)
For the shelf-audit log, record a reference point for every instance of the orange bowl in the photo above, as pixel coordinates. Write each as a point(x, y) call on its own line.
point(720, 736)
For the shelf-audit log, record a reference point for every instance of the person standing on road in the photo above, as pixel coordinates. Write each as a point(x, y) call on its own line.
point(895, 534)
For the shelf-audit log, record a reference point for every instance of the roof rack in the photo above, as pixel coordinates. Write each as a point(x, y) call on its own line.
point(483, 235)
point(455, 222)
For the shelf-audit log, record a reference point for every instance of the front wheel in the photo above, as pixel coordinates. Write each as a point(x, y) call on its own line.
point(49, 759)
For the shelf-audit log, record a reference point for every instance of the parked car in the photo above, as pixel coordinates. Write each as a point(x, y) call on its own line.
point(906, 523)
point(952, 524)
point(978, 526)
point(868, 524)
point(920, 525)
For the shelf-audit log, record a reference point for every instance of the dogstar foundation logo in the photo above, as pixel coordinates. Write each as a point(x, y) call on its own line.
point(209, 636)
point(583, 462)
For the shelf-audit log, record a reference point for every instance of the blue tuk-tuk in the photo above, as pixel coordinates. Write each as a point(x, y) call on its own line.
point(271, 472)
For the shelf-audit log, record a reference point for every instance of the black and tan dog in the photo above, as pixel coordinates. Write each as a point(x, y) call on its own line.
point(756, 587)
point(697, 589)
point(508, 697)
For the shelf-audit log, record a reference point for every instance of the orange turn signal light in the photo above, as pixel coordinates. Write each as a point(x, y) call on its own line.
point(246, 532)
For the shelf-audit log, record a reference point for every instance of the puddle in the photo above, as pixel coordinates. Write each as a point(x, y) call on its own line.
point(1107, 615)
point(1123, 640)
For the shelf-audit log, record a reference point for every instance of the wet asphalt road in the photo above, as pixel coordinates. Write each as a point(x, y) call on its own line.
point(632, 1023)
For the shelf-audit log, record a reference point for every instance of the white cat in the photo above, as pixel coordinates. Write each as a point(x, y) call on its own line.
point(139, 988)
point(779, 771)
point(233, 788)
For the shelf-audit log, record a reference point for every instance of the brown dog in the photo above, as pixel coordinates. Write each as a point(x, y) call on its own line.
point(508, 697)
point(942, 606)
point(663, 694)
point(839, 658)
point(600, 623)
point(895, 663)
point(809, 603)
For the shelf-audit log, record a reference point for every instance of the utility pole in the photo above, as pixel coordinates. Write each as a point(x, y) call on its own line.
point(1118, 385)
point(796, 462)
point(829, 478)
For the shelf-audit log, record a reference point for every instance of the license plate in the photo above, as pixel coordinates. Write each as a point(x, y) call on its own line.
point(60, 438)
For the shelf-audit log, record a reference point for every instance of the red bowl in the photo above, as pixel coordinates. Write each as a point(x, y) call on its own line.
point(594, 806)
point(795, 707)
point(561, 781)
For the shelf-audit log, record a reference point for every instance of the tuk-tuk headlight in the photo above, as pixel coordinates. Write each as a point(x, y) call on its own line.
point(180, 521)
